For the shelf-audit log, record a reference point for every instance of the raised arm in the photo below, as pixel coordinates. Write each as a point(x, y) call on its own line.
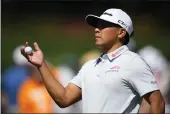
point(63, 97)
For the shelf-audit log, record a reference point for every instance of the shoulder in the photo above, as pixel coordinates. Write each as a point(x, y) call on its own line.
point(130, 55)
point(136, 61)
point(137, 68)
point(128, 58)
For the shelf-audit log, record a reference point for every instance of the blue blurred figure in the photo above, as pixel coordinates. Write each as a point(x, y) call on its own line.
point(13, 77)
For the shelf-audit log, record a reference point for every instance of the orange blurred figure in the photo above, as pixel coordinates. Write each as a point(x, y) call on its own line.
point(33, 96)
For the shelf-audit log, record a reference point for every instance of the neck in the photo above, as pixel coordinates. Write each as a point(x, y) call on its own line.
point(111, 49)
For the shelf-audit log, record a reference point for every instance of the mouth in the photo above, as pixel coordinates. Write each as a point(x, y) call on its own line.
point(97, 37)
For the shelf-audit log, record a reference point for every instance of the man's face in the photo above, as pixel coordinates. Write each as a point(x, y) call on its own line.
point(106, 34)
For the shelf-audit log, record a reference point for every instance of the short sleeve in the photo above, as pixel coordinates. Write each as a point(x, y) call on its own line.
point(77, 79)
point(141, 77)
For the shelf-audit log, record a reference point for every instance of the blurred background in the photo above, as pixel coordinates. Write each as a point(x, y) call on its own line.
point(68, 42)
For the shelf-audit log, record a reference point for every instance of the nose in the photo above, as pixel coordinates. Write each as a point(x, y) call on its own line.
point(96, 30)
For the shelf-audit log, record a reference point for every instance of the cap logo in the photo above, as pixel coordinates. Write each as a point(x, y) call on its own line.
point(105, 13)
point(122, 23)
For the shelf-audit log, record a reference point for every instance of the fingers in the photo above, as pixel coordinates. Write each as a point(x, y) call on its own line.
point(22, 49)
point(26, 44)
point(36, 46)
point(23, 53)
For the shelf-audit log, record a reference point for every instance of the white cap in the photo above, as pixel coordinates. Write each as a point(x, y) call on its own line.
point(113, 15)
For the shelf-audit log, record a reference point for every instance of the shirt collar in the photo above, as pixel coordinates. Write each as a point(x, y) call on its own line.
point(113, 54)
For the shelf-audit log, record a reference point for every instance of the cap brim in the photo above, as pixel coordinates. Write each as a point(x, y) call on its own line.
point(93, 20)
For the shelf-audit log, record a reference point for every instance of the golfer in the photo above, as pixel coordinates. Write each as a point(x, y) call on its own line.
point(115, 82)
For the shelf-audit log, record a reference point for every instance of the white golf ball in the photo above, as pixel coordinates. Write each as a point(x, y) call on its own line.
point(28, 50)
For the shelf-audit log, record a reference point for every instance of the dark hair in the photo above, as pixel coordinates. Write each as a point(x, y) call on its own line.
point(126, 40)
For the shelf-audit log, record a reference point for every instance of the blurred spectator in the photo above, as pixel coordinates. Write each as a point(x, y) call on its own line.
point(168, 96)
point(160, 68)
point(13, 77)
point(89, 55)
point(33, 96)
point(4, 102)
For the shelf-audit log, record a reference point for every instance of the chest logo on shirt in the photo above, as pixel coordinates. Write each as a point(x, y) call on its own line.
point(113, 69)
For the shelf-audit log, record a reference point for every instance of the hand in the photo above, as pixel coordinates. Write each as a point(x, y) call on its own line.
point(36, 57)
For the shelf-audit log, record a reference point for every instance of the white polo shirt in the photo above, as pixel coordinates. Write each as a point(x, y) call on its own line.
point(115, 82)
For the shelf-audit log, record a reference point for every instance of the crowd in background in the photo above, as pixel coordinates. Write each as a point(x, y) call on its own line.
point(23, 90)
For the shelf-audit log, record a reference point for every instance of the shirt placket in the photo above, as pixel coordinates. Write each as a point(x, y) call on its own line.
point(101, 67)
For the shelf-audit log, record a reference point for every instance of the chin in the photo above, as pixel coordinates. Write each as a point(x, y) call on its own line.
point(99, 45)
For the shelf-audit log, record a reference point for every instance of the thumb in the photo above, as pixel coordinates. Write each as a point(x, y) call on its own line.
point(36, 46)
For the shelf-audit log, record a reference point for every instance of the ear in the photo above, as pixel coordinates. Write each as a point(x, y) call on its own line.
point(122, 33)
